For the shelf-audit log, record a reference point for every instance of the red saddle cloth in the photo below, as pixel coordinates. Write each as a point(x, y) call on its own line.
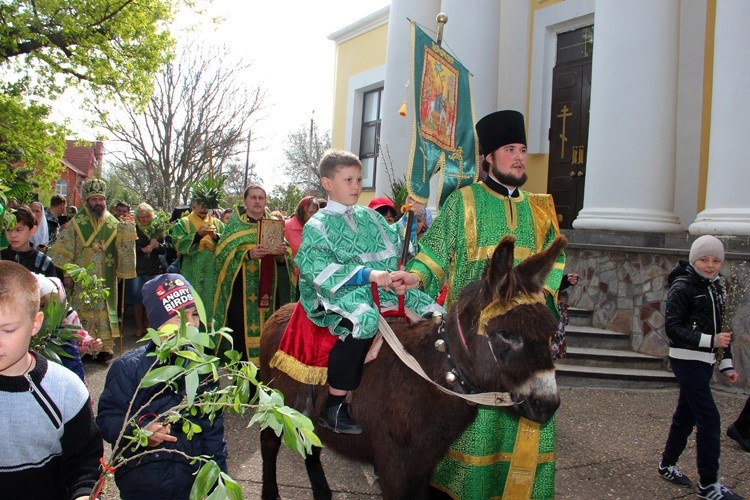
point(303, 350)
point(304, 347)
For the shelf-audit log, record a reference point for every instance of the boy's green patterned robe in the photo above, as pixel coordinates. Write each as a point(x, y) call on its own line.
point(499, 455)
point(334, 248)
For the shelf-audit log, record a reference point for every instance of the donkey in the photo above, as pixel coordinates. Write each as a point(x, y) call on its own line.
point(408, 424)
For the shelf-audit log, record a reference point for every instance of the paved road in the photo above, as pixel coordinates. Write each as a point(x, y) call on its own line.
point(609, 443)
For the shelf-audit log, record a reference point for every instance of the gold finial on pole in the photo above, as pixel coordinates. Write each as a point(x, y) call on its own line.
point(442, 19)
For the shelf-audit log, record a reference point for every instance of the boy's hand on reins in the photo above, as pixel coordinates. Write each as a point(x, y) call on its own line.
point(381, 278)
point(401, 281)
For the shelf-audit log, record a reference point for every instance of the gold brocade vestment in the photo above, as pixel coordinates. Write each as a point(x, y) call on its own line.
point(500, 454)
point(109, 245)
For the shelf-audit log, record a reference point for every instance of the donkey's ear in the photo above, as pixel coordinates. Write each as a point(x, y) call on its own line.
point(538, 266)
point(497, 273)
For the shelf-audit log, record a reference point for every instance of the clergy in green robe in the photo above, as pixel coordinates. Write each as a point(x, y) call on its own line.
point(500, 454)
point(250, 288)
point(194, 237)
point(95, 236)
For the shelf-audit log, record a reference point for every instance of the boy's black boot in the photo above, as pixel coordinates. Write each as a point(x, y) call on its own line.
point(336, 418)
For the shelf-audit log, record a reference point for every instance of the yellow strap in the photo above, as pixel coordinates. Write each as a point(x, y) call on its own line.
point(520, 480)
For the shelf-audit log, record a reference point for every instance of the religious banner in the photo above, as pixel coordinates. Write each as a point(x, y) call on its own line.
point(443, 139)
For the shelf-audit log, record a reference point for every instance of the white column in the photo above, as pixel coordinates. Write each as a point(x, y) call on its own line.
point(631, 157)
point(473, 36)
point(513, 56)
point(727, 209)
point(396, 130)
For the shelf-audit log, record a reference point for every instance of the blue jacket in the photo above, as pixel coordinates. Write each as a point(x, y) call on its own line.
point(158, 475)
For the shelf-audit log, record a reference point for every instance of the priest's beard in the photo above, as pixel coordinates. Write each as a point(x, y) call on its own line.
point(509, 180)
point(97, 211)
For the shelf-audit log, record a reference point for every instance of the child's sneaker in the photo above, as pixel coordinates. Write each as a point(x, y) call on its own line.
point(673, 474)
point(717, 491)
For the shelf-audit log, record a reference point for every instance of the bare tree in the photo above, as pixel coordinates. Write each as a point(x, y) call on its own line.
point(303, 153)
point(195, 122)
point(235, 185)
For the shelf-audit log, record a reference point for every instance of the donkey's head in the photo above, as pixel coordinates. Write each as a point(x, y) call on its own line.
point(507, 330)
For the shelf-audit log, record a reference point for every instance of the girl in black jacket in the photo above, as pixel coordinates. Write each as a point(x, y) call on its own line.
point(695, 307)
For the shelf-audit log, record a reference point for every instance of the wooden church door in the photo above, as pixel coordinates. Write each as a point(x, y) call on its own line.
point(569, 124)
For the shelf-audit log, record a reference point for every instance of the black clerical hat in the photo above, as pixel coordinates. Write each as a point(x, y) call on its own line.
point(500, 128)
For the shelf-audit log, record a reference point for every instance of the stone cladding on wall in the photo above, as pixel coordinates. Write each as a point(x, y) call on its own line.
point(623, 281)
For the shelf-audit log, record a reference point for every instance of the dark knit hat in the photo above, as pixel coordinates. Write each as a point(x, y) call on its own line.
point(164, 295)
point(500, 128)
point(706, 245)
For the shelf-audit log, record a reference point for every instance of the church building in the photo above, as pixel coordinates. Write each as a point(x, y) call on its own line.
point(634, 124)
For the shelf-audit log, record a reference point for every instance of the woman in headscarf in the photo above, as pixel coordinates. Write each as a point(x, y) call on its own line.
point(41, 237)
point(253, 281)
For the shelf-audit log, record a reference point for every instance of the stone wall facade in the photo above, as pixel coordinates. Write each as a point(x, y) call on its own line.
point(623, 281)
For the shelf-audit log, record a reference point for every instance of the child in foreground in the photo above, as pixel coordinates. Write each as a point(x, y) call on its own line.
point(157, 475)
point(695, 309)
point(346, 247)
point(50, 446)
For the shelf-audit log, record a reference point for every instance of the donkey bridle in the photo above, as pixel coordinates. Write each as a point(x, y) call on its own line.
point(454, 368)
point(484, 398)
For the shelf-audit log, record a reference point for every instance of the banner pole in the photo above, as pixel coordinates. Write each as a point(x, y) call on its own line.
point(441, 19)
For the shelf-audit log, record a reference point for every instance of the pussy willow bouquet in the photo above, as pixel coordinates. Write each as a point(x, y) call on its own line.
point(735, 290)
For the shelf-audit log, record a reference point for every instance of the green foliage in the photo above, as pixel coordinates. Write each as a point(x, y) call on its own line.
point(210, 475)
point(160, 225)
point(107, 47)
point(186, 357)
point(399, 191)
point(285, 198)
point(90, 289)
point(117, 190)
point(53, 334)
point(7, 219)
point(31, 148)
point(209, 192)
point(113, 46)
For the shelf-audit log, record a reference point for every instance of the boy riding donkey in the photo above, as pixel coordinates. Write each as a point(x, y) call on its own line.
point(345, 248)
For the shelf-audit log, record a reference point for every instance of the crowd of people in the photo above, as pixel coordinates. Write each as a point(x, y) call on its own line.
point(245, 262)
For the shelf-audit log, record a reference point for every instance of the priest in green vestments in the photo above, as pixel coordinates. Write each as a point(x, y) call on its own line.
point(194, 238)
point(500, 454)
point(253, 280)
point(95, 236)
